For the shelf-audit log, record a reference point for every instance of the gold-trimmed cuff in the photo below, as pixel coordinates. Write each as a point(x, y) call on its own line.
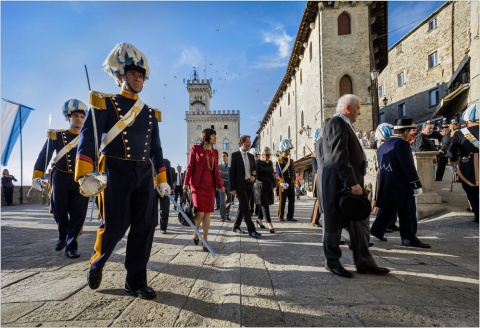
point(161, 177)
point(38, 174)
point(82, 168)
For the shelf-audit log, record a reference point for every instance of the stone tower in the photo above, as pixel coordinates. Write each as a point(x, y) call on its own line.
point(199, 116)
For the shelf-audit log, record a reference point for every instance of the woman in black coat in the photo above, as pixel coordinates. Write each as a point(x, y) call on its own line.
point(263, 187)
point(7, 185)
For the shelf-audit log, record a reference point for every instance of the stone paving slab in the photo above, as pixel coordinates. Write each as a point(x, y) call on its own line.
point(278, 280)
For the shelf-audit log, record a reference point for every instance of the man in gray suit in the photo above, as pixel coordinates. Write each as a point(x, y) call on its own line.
point(225, 197)
point(344, 166)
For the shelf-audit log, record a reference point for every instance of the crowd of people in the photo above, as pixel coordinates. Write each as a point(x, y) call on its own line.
point(116, 172)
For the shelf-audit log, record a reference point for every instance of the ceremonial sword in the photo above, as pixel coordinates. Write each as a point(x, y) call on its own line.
point(192, 225)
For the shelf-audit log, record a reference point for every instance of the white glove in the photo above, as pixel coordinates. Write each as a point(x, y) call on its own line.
point(452, 168)
point(163, 188)
point(39, 184)
point(284, 186)
point(417, 192)
point(92, 184)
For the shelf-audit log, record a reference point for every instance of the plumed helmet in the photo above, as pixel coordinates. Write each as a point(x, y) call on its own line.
point(471, 114)
point(254, 151)
point(285, 144)
point(126, 57)
point(383, 131)
point(316, 135)
point(73, 105)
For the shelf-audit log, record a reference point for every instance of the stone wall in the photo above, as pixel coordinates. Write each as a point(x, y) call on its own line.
point(410, 56)
point(34, 197)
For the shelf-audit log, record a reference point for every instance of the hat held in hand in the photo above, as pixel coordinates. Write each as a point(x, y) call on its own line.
point(353, 207)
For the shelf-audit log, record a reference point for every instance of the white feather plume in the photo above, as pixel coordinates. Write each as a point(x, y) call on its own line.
point(123, 55)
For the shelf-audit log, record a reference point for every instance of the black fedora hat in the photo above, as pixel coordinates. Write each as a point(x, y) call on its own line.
point(404, 123)
point(353, 207)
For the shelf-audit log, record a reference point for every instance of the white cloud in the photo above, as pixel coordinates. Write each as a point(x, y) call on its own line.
point(190, 57)
point(283, 42)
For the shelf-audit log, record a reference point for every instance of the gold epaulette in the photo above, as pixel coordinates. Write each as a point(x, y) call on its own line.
point(97, 99)
point(158, 114)
point(52, 134)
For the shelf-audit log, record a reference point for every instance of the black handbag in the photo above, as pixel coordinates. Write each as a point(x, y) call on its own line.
point(186, 204)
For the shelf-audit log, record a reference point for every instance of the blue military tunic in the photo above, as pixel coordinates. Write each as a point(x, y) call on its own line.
point(131, 161)
point(68, 206)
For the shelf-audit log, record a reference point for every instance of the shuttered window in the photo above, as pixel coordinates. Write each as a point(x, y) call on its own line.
point(344, 27)
point(346, 86)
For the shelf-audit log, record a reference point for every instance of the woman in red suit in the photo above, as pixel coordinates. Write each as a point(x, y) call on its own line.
point(203, 177)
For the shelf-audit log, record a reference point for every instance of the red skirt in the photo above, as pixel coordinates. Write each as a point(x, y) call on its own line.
point(204, 194)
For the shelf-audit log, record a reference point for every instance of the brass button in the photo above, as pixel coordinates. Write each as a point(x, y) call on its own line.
point(124, 132)
point(149, 122)
point(146, 144)
point(143, 157)
point(149, 116)
point(116, 103)
point(128, 155)
point(145, 151)
point(146, 136)
point(119, 109)
point(128, 148)
point(126, 140)
point(148, 130)
point(121, 116)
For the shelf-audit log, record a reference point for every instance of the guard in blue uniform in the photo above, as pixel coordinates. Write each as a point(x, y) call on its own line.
point(132, 161)
point(398, 183)
point(286, 176)
point(67, 205)
point(463, 152)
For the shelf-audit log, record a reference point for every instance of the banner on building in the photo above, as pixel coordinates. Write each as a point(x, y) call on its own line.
point(14, 117)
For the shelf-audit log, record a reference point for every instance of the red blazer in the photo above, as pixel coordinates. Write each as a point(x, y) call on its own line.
point(196, 163)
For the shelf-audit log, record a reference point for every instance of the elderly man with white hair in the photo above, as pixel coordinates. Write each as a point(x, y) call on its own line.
point(344, 166)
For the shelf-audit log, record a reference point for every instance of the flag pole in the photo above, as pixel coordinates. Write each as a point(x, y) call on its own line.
point(21, 157)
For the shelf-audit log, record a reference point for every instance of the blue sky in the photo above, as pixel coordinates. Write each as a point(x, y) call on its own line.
point(247, 46)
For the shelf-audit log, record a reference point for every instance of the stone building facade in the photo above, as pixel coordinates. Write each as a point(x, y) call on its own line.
point(428, 72)
point(337, 46)
point(226, 123)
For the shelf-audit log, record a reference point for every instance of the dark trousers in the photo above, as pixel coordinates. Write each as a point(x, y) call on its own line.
point(8, 193)
point(164, 210)
point(264, 212)
point(288, 194)
point(407, 217)
point(69, 208)
point(243, 210)
point(472, 195)
point(442, 163)
point(178, 191)
point(359, 237)
point(127, 202)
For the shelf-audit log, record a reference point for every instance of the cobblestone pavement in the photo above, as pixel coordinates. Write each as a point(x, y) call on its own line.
point(277, 280)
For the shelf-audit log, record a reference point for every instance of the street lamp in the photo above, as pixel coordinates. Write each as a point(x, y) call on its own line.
point(385, 101)
point(375, 105)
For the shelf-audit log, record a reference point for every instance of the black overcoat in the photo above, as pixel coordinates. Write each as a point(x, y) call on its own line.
point(343, 166)
point(264, 184)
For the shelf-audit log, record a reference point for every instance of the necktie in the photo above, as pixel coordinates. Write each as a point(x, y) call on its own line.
point(247, 166)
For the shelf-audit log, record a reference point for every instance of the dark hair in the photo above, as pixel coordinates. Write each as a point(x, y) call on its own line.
point(205, 136)
point(225, 153)
point(400, 131)
point(242, 139)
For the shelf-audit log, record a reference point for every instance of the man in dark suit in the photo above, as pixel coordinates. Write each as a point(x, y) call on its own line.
point(398, 183)
point(241, 177)
point(165, 201)
point(344, 166)
point(179, 176)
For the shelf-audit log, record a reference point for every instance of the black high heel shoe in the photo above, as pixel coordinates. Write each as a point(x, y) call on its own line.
point(270, 228)
point(260, 225)
point(195, 241)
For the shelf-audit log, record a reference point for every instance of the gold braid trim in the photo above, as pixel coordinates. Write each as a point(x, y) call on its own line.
point(97, 99)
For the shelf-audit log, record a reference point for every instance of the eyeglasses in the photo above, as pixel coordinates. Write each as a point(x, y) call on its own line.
point(267, 155)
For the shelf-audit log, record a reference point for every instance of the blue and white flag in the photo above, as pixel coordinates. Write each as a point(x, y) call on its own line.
point(14, 117)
